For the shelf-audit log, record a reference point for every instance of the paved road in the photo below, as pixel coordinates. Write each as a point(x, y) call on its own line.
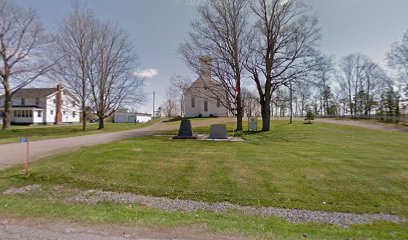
point(41, 229)
point(14, 153)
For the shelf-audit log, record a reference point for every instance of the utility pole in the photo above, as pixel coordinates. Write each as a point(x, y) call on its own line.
point(154, 107)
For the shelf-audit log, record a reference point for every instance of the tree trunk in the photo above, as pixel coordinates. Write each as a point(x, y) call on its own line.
point(7, 113)
point(101, 123)
point(239, 112)
point(83, 102)
point(368, 98)
point(84, 119)
point(291, 104)
point(266, 116)
point(7, 104)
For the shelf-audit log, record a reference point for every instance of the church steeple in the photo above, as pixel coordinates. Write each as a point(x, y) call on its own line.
point(205, 71)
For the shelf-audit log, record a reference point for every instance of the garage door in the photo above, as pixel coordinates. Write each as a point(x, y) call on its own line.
point(131, 119)
point(121, 119)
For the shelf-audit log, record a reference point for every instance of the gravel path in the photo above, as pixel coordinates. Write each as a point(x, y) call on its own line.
point(14, 153)
point(167, 204)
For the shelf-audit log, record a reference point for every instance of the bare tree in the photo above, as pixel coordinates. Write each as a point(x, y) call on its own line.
point(398, 59)
point(283, 48)
point(220, 33)
point(323, 74)
point(358, 78)
point(112, 81)
point(303, 92)
point(179, 85)
point(250, 103)
point(171, 107)
point(75, 40)
point(23, 52)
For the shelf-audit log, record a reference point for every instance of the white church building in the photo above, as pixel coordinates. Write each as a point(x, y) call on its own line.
point(205, 97)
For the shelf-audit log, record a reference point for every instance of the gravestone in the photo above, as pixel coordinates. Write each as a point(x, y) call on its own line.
point(185, 130)
point(218, 131)
point(253, 124)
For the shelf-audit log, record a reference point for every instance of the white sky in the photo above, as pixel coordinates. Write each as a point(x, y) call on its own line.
point(158, 26)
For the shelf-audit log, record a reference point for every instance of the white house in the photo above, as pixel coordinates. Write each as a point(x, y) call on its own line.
point(205, 97)
point(129, 117)
point(44, 106)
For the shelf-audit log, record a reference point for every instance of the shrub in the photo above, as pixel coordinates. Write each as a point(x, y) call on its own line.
point(309, 116)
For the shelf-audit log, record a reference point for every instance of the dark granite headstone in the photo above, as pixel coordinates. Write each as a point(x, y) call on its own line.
point(218, 131)
point(185, 130)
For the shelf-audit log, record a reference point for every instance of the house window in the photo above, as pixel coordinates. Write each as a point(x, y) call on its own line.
point(205, 106)
point(37, 101)
point(23, 113)
point(39, 114)
point(52, 112)
point(218, 102)
point(193, 102)
point(54, 101)
point(23, 101)
point(73, 104)
point(73, 114)
point(65, 113)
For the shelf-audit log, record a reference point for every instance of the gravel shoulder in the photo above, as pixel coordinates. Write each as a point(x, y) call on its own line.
point(172, 205)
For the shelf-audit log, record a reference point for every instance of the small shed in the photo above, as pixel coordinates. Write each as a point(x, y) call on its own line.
point(131, 117)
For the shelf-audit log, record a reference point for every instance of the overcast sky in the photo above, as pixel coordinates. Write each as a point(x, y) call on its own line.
point(158, 26)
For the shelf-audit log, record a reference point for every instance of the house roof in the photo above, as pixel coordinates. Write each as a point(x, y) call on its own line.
point(144, 114)
point(25, 107)
point(34, 92)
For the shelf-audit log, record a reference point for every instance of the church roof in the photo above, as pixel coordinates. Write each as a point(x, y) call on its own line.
point(204, 84)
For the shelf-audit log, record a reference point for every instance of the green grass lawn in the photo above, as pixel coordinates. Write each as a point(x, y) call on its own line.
point(301, 166)
point(49, 132)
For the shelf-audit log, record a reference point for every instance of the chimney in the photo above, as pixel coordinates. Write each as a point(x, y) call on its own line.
point(58, 110)
point(205, 71)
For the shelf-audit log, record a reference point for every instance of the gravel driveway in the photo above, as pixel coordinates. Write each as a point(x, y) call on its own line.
point(14, 153)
